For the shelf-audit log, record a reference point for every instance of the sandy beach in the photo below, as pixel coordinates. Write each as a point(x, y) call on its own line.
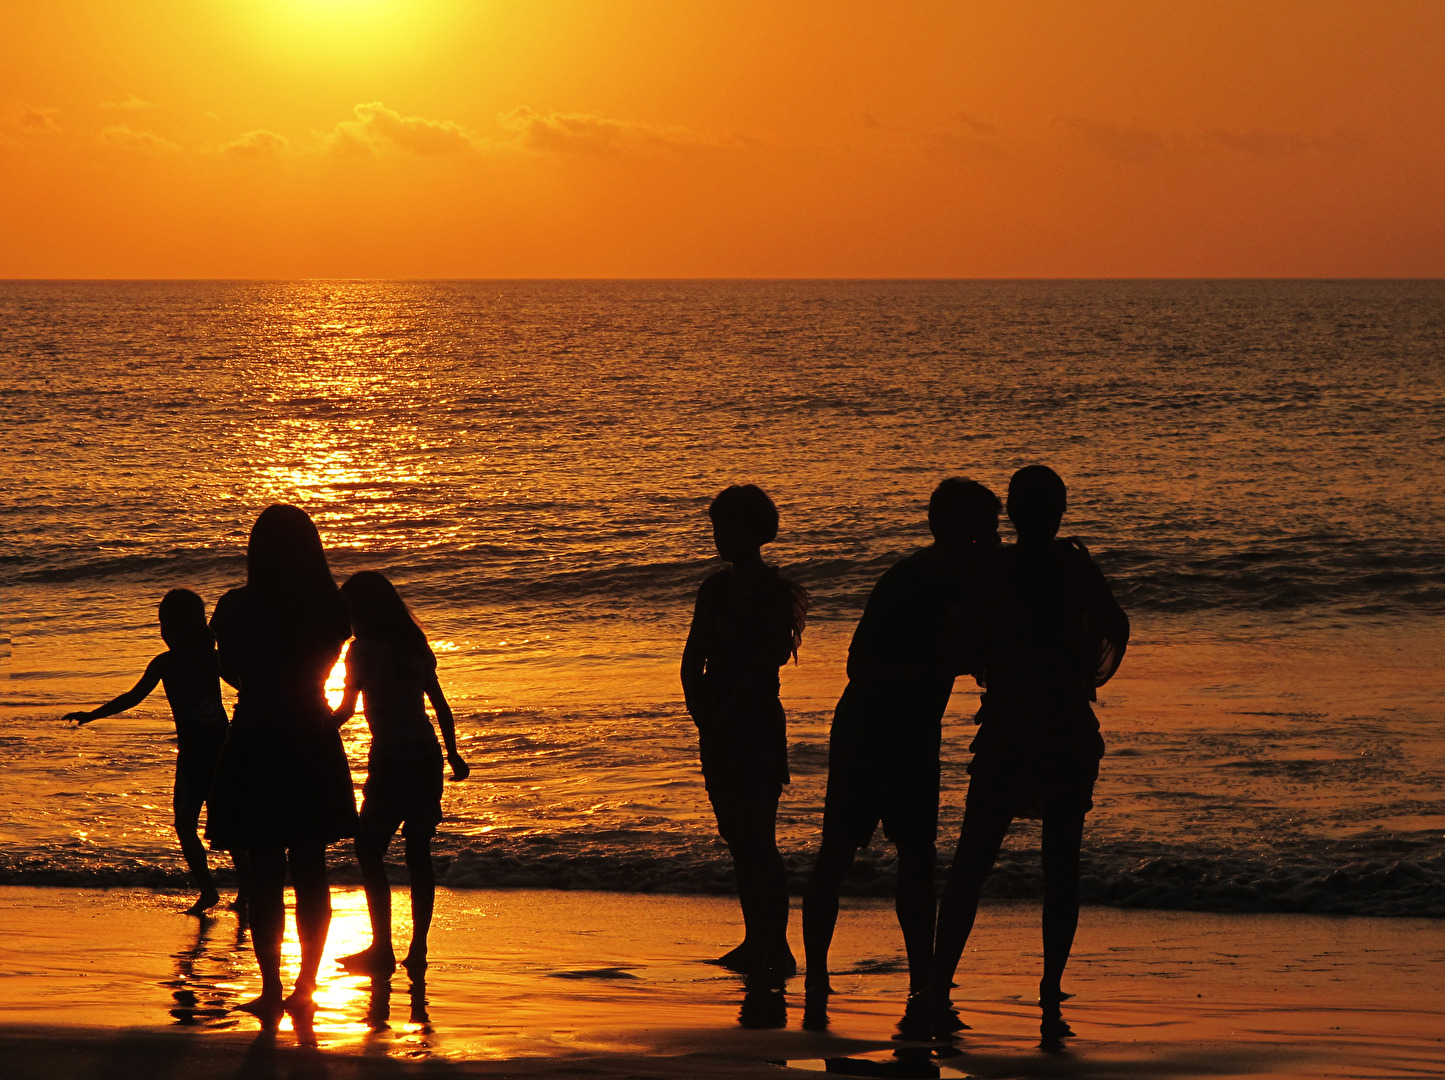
point(539, 983)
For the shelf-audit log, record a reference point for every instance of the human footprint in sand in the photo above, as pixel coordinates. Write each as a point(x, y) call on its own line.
point(283, 787)
point(1050, 633)
point(191, 675)
point(747, 621)
point(392, 668)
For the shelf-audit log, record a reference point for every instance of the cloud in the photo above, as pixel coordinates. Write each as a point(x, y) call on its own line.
point(587, 133)
point(143, 142)
point(1266, 144)
point(974, 124)
point(378, 129)
point(21, 117)
point(1119, 141)
point(131, 102)
point(257, 144)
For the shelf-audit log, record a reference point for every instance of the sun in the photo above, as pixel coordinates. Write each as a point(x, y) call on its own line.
point(325, 34)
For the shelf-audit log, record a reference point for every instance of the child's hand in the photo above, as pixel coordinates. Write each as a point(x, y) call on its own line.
point(460, 769)
point(81, 717)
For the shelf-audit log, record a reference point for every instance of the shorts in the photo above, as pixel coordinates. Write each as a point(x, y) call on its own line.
point(869, 783)
point(403, 790)
point(1031, 790)
point(196, 760)
point(1034, 762)
point(746, 809)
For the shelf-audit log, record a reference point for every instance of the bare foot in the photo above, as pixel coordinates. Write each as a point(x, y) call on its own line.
point(1052, 996)
point(207, 900)
point(301, 1005)
point(782, 963)
point(415, 962)
point(742, 959)
point(378, 963)
point(267, 1008)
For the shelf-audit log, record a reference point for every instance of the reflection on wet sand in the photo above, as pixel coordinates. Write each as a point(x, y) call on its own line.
point(205, 988)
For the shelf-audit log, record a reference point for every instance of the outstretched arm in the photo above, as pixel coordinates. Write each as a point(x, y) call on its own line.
point(130, 699)
point(460, 769)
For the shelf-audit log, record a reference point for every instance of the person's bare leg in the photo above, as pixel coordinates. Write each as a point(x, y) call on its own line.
point(268, 924)
point(916, 907)
point(241, 864)
point(1063, 836)
point(186, 807)
point(379, 958)
point(313, 920)
point(423, 900)
point(820, 909)
point(979, 840)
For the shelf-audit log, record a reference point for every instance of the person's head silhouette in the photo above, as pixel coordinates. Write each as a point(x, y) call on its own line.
point(1037, 499)
point(284, 551)
point(743, 520)
point(183, 622)
point(963, 512)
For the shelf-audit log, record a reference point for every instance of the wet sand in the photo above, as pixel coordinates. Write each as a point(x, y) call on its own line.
point(531, 983)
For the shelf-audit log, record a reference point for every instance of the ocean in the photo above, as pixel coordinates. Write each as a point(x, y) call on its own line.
point(1256, 465)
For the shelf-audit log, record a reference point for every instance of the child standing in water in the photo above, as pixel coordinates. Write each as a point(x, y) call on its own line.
point(391, 664)
point(189, 671)
point(747, 622)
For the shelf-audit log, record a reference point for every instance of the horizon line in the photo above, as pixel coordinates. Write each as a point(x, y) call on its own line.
point(736, 278)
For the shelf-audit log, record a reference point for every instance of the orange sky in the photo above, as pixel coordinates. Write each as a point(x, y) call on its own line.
point(533, 138)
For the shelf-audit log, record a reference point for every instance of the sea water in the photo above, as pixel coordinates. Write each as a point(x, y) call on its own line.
point(1257, 467)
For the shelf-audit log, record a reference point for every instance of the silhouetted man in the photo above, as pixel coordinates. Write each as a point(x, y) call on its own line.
point(883, 752)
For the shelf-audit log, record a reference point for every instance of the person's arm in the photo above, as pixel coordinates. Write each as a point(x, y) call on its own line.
point(346, 708)
point(225, 648)
point(460, 769)
point(694, 656)
point(130, 699)
point(1108, 624)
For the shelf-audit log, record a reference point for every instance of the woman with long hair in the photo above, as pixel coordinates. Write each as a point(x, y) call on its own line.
point(283, 788)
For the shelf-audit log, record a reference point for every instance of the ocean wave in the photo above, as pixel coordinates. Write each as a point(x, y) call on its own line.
point(1356, 576)
point(1403, 878)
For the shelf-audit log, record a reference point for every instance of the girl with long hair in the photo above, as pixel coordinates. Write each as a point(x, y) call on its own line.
point(283, 787)
point(391, 667)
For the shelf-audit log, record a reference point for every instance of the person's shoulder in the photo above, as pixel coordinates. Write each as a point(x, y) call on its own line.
point(715, 583)
point(1072, 551)
point(365, 651)
point(231, 604)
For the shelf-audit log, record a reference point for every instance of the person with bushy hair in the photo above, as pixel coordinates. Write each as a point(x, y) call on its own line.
point(883, 751)
point(747, 621)
point(191, 676)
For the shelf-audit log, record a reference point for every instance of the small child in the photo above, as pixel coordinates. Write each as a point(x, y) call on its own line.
point(391, 663)
point(191, 675)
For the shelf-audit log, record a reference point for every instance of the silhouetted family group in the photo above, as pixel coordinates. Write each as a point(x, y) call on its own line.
point(1037, 627)
point(1034, 623)
point(275, 779)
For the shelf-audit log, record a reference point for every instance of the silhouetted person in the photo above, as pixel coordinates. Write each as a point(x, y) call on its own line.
point(189, 671)
point(747, 622)
point(1051, 632)
point(883, 754)
point(283, 787)
point(391, 666)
